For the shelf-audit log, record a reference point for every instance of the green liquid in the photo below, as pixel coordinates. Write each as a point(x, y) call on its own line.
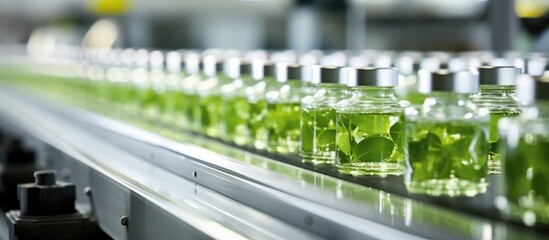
point(173, 114)
point(318, 139)
point(525, 175)
point(150, 104)
point(129, 98)
point(370, 143)
point(236, 114)
point(170, 108)
point(210, 115)
point(192, 111)
point(104, 93)
point(494, 159)
point(283, 121)
point(447, 158)
point(257, 124)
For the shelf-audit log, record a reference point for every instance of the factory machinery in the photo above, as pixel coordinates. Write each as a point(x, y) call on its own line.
point(122, 180)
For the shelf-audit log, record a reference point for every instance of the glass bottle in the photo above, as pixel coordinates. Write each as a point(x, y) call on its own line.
point(447, 137)
point(370, 125)
point(151, 87)
point(172, 115)
point(128, 91)
point(113, 80)
point(408, 65)
point(189, 88)
point(209, 92)
point(284, 109)
point(100, 81)
point(523, 194)
point(264, 72)
point(318, 115)
point(496, 93)
point(234, 107)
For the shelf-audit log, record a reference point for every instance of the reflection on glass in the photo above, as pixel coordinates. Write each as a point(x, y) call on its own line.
point(524, 196)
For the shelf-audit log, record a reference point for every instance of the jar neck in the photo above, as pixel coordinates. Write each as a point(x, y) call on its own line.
point(373, 92)
point(497, 90)
point(446, 98)
point(331, 89)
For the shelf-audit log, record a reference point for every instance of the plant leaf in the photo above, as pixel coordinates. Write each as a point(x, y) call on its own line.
point(373, 149)
point(307, 139)
point(327, 139)
point(372, 124)
point(343, 143)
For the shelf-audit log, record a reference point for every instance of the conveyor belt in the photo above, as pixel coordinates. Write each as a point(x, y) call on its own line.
point(312, 199)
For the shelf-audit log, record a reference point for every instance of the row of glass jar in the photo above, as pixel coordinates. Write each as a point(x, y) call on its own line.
point(446, 145)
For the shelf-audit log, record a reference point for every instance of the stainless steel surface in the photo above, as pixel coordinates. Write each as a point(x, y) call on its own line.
point(117, 178)
point(214, 188)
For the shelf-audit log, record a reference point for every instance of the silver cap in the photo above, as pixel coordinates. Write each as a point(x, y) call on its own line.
point(530, 89)
point(375, 77)
point(192, 63)
point(245, 68)
point(156, 59)
point(262, 69)
point(212, 65)
point(173, 61)
point(445, 81)
point(292, 71)
point(325, 74)
point(500, 75)
point(269, 69)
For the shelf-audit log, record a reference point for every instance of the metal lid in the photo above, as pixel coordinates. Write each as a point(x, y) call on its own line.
point(530, 89)
point(445, 81)
point(219, 66)
point(262, 69)
point(192, 63)
point(325, 74)
point(212, 65)
point(128, 57)
point(375, 77)
point(498, 75)
point(269, 69)
point(292, 71)
point(408, 62)
point(173, 61)
point(536, 66)
point(156, 59)
point(141, 58)
point(245, 68)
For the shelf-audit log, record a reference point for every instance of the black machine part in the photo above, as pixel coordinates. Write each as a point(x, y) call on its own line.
point(46, 196)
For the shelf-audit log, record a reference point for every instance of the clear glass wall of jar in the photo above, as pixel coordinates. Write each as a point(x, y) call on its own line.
point(370, 125)
point(447, 137)
point(284, 109)
point(497, 94)
point(318, 115)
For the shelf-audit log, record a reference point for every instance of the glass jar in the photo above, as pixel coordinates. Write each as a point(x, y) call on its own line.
point(370, 125)
point(234, 107)
point(284, 109)
point(256, 98)
point(112, 80)
point(209, 92)
point(447, 137)
point(128, 91)
point(523, 194)
point(189, 108)
point(172, 115)
point(497, 94)
point(318, 115)
point(151, 87)
point(408, 64)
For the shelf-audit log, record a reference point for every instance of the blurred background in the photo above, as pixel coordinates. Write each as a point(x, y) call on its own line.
point(428, 25)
